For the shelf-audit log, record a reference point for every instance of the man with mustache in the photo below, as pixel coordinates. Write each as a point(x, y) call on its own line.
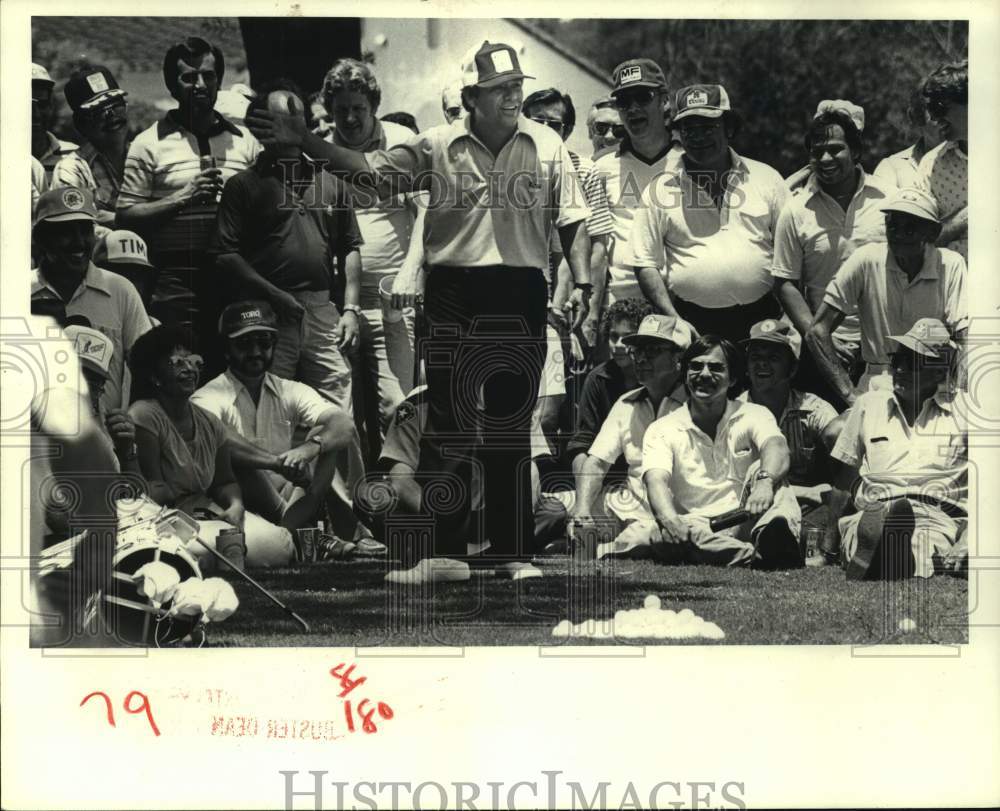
point(63, 239)
point(837, 211)
point(100, 115)
point(174, 173)
point(890, 286)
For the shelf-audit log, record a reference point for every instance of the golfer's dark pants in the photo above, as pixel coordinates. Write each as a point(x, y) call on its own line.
point(728, 322)
point(483, 347)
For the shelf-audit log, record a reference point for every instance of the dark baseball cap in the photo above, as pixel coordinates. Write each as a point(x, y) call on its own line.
point(91, 86)
point(492, 65)
point(65, 205)
point(247, 316)
point(637, 73)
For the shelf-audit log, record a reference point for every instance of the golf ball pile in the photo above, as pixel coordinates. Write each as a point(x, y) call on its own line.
point(649, 622)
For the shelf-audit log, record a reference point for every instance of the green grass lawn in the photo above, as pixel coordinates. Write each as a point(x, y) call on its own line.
point(347, 604)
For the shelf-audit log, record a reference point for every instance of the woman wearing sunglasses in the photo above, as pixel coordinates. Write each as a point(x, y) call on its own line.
point(182, 448)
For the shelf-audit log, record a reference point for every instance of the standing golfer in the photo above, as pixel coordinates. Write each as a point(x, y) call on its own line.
point(497, 184)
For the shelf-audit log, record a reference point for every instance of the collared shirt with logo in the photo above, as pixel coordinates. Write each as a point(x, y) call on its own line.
point(161, 161)
point(815, 237)
point(270, 423)
point(802, 423)
point(713, 256)
point(931, 457)
point(484, 209)
point(872, 284)
point(625, 427)
point(112, 305)
point(706, 475)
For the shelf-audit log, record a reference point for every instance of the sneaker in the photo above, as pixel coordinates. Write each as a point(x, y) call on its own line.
point(431, 570)
point(883, 551)
point(517, 570)
point(330, 547)
point(370, 547)
point(777, 548)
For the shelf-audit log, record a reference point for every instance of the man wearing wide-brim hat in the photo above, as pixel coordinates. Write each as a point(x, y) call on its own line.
point(910, 447)
point(499, 183)
point(891, 286)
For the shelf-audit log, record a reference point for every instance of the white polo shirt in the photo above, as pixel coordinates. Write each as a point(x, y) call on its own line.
point(931, 457)
point(618, 179)
point(872, 284)
point(712, 257)
point(900, 169)
point(815, 236)
point(625, 426)
point(706, 476)
point(485, 209)
point(270, 424)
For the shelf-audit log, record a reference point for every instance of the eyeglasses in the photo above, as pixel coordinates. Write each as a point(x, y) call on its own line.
point(641, 97)
point(178, 362)
point(551, 123)
point(649, 351)
point(263, 340)
point(602, 128)
point(903, 228)
point(453, 112)
point(701, 128)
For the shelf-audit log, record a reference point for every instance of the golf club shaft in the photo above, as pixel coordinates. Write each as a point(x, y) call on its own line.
point(255, 584)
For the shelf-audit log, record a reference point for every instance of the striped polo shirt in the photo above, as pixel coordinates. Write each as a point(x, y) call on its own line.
point(161, 161)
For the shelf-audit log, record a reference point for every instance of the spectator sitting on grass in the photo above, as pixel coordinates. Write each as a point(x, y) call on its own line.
point(910, 445)
point(715, 455)
point(285, 481)
point(183, 451)
point(655, 348)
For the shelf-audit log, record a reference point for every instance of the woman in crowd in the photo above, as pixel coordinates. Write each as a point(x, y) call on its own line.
point(182, 448)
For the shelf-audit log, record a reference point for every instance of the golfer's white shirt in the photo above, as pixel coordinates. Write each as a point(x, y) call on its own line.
point(706, 476)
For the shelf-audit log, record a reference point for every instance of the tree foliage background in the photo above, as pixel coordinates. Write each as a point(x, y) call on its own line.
point(777, 71)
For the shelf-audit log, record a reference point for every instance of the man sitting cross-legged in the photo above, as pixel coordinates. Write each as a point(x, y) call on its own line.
point(809, 423)
point(655, 348)
point(715, 455)
point(284, 481)
point(910, 445)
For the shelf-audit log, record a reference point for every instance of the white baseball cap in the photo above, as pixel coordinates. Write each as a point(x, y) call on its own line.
point(93, 347)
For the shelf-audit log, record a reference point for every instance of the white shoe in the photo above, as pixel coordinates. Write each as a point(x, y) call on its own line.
point(627, 550)
point(518, 570)
point(431, 570)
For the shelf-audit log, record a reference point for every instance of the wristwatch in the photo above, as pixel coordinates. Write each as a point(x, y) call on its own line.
point(763, 474)
point(318, 440)
point(586, 287)
point(353, 308)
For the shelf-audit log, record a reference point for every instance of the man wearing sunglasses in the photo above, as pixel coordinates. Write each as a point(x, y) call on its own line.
point(705, 231)
point(604, 126)
point(656, 348)
point(890, 286)
point(639, 94)
point(284, 479)
point(45, 147)
point(944, 171)
point(63, 239)
point(451, 102)
point(909, 444)
point(100, 115)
